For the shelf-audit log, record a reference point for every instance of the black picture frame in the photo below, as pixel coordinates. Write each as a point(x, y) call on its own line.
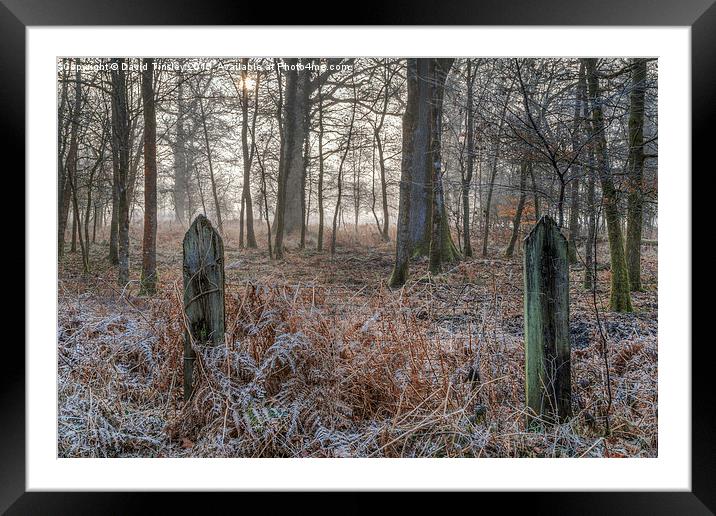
point(700, 15)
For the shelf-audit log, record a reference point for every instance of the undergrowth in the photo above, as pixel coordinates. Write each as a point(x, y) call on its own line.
point(327, 369)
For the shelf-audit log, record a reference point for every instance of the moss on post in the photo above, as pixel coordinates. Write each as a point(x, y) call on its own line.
point(203, 292)
point(546, 320)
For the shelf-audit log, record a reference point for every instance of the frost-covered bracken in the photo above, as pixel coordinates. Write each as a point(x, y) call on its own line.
point(435, 369)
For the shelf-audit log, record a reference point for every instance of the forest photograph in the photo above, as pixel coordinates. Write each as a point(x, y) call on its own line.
point(316, 257)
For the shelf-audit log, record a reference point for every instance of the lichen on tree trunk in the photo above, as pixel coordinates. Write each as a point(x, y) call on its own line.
point(620, 296)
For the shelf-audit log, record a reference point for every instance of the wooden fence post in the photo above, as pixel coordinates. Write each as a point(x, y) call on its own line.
point(203, 292)
point(548, 387)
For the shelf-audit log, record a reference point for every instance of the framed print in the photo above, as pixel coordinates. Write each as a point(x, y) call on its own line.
point(445, 249)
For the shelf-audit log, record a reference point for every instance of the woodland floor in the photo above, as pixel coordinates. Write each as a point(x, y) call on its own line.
point(323, 360)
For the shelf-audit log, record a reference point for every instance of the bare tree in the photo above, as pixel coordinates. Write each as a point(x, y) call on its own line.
point(635, 172)
point(247, 155)
point(120, 149)
point(620, 298)
point(149, 242)
point(214, 191)
point(349, 138)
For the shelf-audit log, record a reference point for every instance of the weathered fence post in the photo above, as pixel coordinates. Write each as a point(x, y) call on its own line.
point(203, 292)
point(546, 318)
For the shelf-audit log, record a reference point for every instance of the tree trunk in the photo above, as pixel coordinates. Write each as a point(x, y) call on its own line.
point(94, 222)
point(295, 128)
point(114, 218)
point(201, 190)
point(535, 194)
point(241, 220)
point(589, 258)
point(304, 174)
point(217, 205)
point(288, 133)
point(88, 209)
point(121, 141)
point(573, 220)
point(89, 204)
point(63, 201)
point(488, 205)
point(73, 246)
point(422, 191)
point(372, 186)
point(356, 189)
point(470, 147)
point(133, 165)
point(440, 227)
point(319, 244)
point(518, 212)
point(493, 175)
point(421, 186)
point(180, 161)
point(69, 192)
point(340, 170)
point(577, 138)
point(265, 196)
point(247, 155)
point(635, 172)
point(120, 138)
point(149, 242)
point(77, 221)
point(385, 234)
point(620, 297)
point(403, 239)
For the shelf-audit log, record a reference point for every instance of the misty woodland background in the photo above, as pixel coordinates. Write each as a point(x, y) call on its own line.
point(372, 213)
